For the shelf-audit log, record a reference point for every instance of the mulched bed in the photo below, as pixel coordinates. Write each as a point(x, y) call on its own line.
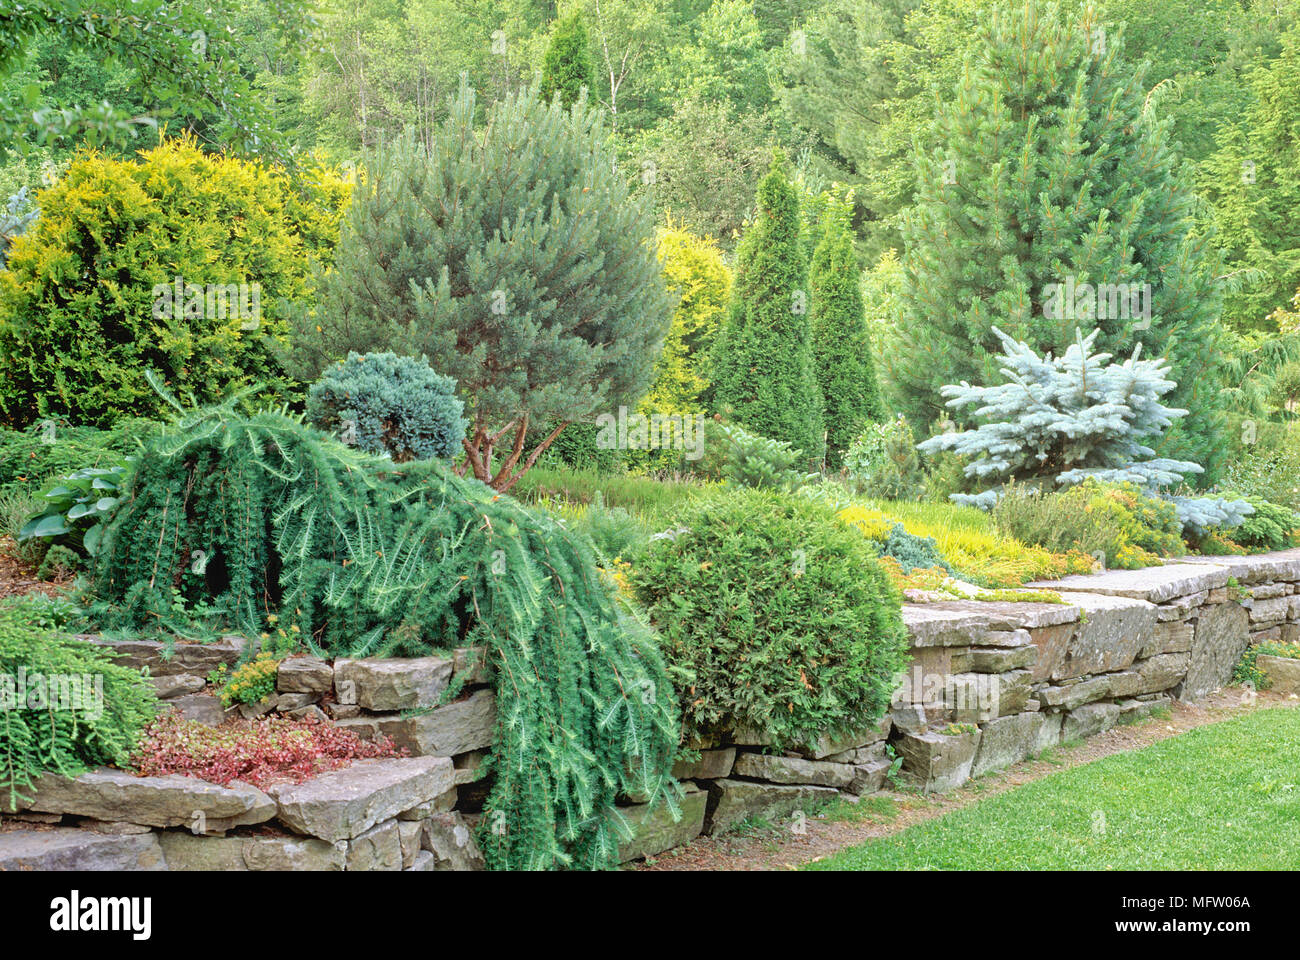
point(19, 579)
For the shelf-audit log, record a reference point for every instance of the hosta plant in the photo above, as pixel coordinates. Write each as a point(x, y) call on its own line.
point(77, 507)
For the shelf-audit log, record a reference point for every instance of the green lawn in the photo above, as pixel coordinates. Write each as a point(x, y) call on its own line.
point(1224, 796)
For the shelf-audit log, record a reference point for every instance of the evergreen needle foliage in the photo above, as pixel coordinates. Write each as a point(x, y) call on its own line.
point(567, 68)
point(1064, 419)
point(762, 358)
point(76, 708)
point(1047, 170)
point(778, 615)
point(841, 344)
point(386, 404)
point(508, 250)
point(370, 558)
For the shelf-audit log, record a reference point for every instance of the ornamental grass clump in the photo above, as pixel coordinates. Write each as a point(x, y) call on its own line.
point(776, 616)
point(372, 558)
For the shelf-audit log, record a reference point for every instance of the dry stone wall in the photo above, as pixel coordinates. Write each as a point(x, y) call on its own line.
point(989, 685)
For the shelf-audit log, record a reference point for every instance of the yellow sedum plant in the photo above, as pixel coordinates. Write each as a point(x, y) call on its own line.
point(964, 538)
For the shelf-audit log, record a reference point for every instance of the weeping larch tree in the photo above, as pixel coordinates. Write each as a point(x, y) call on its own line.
point(364, 557)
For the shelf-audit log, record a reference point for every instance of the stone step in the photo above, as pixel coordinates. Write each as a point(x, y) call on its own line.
point(171, 801)
point(343, 804)
point(67, 848)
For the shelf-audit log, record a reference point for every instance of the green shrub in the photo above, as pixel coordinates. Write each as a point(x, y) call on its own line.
point(1270, 527)
point(30, 457)
point(882, 461)
point(1268, 468)
point(748, 460)
point(614, 532)
point(86, 306)
point(364, 557)
point(576, 447)
point(64, 704)
point(776, 615)
point(1116, 522)
point(58, 563)
point(385, 404)
point(913, 552)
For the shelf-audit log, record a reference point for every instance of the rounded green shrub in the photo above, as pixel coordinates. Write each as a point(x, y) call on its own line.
point(386, 404)
point(776, 617)
point(1270, 527)
point(177, 261)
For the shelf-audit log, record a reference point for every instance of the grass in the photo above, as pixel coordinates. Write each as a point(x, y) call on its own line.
point(964, 535)
point(1221, 797)
point(652, 499)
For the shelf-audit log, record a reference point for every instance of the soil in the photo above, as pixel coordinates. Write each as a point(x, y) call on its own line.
point(781, 849)
point(18, 578)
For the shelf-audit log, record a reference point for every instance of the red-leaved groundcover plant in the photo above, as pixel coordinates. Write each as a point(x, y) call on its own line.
point(260, 752)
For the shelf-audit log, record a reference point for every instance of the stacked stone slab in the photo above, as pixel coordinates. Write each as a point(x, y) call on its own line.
point(1121, 645)
point(180, 672)
point(391, 814)
point(989, 685)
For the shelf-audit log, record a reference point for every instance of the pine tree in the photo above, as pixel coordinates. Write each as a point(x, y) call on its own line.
point(1055, 199)
point(567, 66)
point(1253, 182)
point(845, 370)
point(763, 364)
point(512, 256)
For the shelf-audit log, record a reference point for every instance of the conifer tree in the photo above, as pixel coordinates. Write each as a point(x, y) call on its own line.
point(1061, 420)
point(845, 370)
point(1253, 182)
point(694, 270)
point(1055, 199)
point(512, 256)
point(763, 364)
point(567, 66)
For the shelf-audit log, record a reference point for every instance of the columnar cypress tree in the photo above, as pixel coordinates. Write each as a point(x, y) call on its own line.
point(567, 66)
point(1051, 180)
point(763, 365)
point(845, 370)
